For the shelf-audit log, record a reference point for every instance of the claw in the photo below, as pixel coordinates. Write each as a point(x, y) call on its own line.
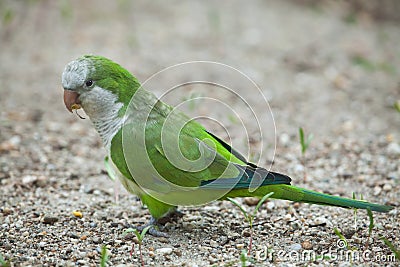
point(173, 215)
point(154, 229)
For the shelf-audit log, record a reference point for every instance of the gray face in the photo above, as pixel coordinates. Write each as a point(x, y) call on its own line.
point(76, 74)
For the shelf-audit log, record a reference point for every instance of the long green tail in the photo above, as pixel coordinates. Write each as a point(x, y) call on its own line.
point(297, 194)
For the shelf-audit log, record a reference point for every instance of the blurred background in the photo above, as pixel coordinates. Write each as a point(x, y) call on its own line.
point(331, 67)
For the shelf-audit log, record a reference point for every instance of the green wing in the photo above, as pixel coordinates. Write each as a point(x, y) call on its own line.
point(183, 153)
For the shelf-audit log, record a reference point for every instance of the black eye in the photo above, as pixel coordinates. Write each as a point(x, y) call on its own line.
point(89, 83)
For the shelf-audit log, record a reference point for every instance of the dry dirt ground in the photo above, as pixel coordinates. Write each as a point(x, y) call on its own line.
point(332, 71)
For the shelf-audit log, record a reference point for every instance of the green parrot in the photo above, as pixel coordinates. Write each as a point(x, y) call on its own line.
point(163, 156)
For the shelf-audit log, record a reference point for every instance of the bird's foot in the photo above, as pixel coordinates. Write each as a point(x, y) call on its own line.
point(154, 229)
point(174, 215)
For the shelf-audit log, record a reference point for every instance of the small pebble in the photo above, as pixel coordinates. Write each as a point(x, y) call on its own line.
point(251, 201)
point(387, 187)
point(377, 190)
point(295, 246)
point(77, 214)
point(96, 240)
point(7, 211)
point(239, 246)
point(50, 219)
point(245, 233)
point(306, 245)
point(164, 251)
point(178, 253)
point(393, 149)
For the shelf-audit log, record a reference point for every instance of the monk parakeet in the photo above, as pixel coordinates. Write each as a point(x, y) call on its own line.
point(164, 157)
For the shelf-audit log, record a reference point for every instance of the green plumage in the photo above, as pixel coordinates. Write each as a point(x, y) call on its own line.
point(225, 169)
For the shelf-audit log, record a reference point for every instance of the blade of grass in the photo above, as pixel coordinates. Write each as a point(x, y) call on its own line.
point(245, 214)
point(104, 256)
point(341, 237)
point(371, 221)
point(263, 199)
point(302, 142)
point(144, 231)
point(391, 246)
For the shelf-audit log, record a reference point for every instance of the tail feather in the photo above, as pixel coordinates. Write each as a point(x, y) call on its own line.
point(297, 194)
point(313, 197)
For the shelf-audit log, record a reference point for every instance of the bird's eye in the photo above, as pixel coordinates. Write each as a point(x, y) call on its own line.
point(89, 83)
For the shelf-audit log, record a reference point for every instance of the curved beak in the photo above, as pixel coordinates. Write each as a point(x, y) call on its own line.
point(71, 98)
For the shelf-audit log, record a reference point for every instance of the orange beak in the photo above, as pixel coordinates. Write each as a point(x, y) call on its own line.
point(71, 98)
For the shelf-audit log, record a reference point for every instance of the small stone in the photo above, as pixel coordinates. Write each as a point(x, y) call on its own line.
point(19, 224)
point(377, 190)
point(73, 235)
point(246, 233)
point(84, 237)
point(295, 225)
point(7, 211)
point(96, 240)
point(239, 246)
point(213, 243)
point(284, 139)
point(151, 254)
point(163, 240)
point(190, 218)
point(298, 168)
point(320, 221)
point(387, 187)
point(164, 251)
point(212, 259)
point(10, 144)
point(77, 214)
point(42, 244)
point(28, 179)
point(270, 205)
point(233, 236)
point(306, 245)
point(178, 253)
point(388, 226)
point(251, 201)
point(295, 246)
point(393, 149)
point(348, 233)
point(50, 219)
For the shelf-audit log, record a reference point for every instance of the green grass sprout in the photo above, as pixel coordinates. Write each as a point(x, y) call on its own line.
point(250, 216)
point(341, 237)
point(396, 105)
point(304, 143)
point(395, 251)
point(355, 213)
point(140, 236)
point(103, 256)
point(370, 226)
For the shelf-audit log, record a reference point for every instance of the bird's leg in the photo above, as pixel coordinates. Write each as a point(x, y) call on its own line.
point(154, 231)
point(173, 215)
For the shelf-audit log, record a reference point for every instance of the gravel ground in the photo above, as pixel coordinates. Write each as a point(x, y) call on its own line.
point(333, 72)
